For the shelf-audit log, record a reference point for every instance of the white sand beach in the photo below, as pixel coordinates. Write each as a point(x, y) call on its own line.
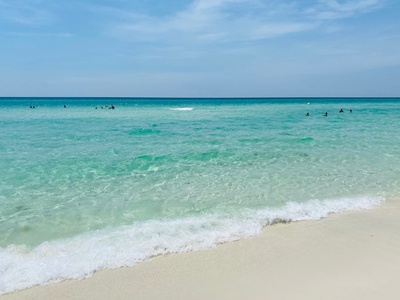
point(352, 255)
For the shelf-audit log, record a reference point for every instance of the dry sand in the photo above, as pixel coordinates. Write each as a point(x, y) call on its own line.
point(352, 255)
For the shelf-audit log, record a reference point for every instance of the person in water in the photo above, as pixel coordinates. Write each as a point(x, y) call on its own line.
point(341, 110)
point(325, 114)
point(307, 114)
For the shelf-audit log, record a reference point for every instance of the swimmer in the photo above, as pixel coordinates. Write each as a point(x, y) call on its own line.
point(325, 114)
point(351, 110)
point(65, 106)
point(341, 110)
point(307, 114)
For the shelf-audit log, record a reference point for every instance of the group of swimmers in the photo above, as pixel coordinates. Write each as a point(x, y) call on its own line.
point(102, 107)
point(109, 107)
point(113, 107)
point(326, 114)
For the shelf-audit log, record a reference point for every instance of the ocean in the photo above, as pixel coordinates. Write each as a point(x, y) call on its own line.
point(85, 187)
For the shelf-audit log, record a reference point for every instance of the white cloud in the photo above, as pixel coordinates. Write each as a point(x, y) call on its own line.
point(211, 21)
point(225, 21)
point(332, 9)
point(196, 47)
point(277, 29)
point(26, 12)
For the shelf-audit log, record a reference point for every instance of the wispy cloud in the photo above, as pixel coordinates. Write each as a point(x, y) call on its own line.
point(332, 9)
point(40, 34)
point(224, 21)
point(196, 47)
point(26, 12)
point(209, 21)
point(277, 29)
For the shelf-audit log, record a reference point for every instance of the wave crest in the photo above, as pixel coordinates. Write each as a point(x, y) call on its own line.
point(82, 255)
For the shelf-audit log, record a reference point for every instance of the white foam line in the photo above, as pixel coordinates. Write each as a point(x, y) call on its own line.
point(182, 108)
point(80, 256)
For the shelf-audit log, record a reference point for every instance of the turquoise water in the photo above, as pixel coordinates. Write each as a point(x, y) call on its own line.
point(83, 189)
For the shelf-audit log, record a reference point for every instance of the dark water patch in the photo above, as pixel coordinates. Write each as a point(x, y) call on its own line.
point(21, 208)
point(302, 154)
point(143, 131)
point(26, 228)
point(286, 133)
point(306, 140)
point(144, 162)
point(251, 140)
point(265, 157)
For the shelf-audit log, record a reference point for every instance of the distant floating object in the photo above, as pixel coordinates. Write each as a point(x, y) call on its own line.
point(308, 103)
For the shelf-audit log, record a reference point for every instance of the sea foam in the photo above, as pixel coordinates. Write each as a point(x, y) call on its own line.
point(81, 256)
point(182, 108)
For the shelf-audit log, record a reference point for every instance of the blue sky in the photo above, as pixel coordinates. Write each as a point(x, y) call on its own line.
point(200, 48)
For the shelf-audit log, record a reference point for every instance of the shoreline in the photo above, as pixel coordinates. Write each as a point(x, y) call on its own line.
point(349, 255)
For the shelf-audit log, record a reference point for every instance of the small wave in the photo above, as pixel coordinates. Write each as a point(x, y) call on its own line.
point(182, 108)
point(81, 256)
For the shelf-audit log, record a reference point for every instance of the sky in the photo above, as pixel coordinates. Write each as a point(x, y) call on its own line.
point(200, 48)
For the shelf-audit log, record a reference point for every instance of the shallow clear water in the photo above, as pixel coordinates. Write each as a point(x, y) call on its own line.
point(83, 189)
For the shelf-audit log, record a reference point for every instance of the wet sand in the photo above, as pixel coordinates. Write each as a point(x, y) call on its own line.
point(351, 255)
